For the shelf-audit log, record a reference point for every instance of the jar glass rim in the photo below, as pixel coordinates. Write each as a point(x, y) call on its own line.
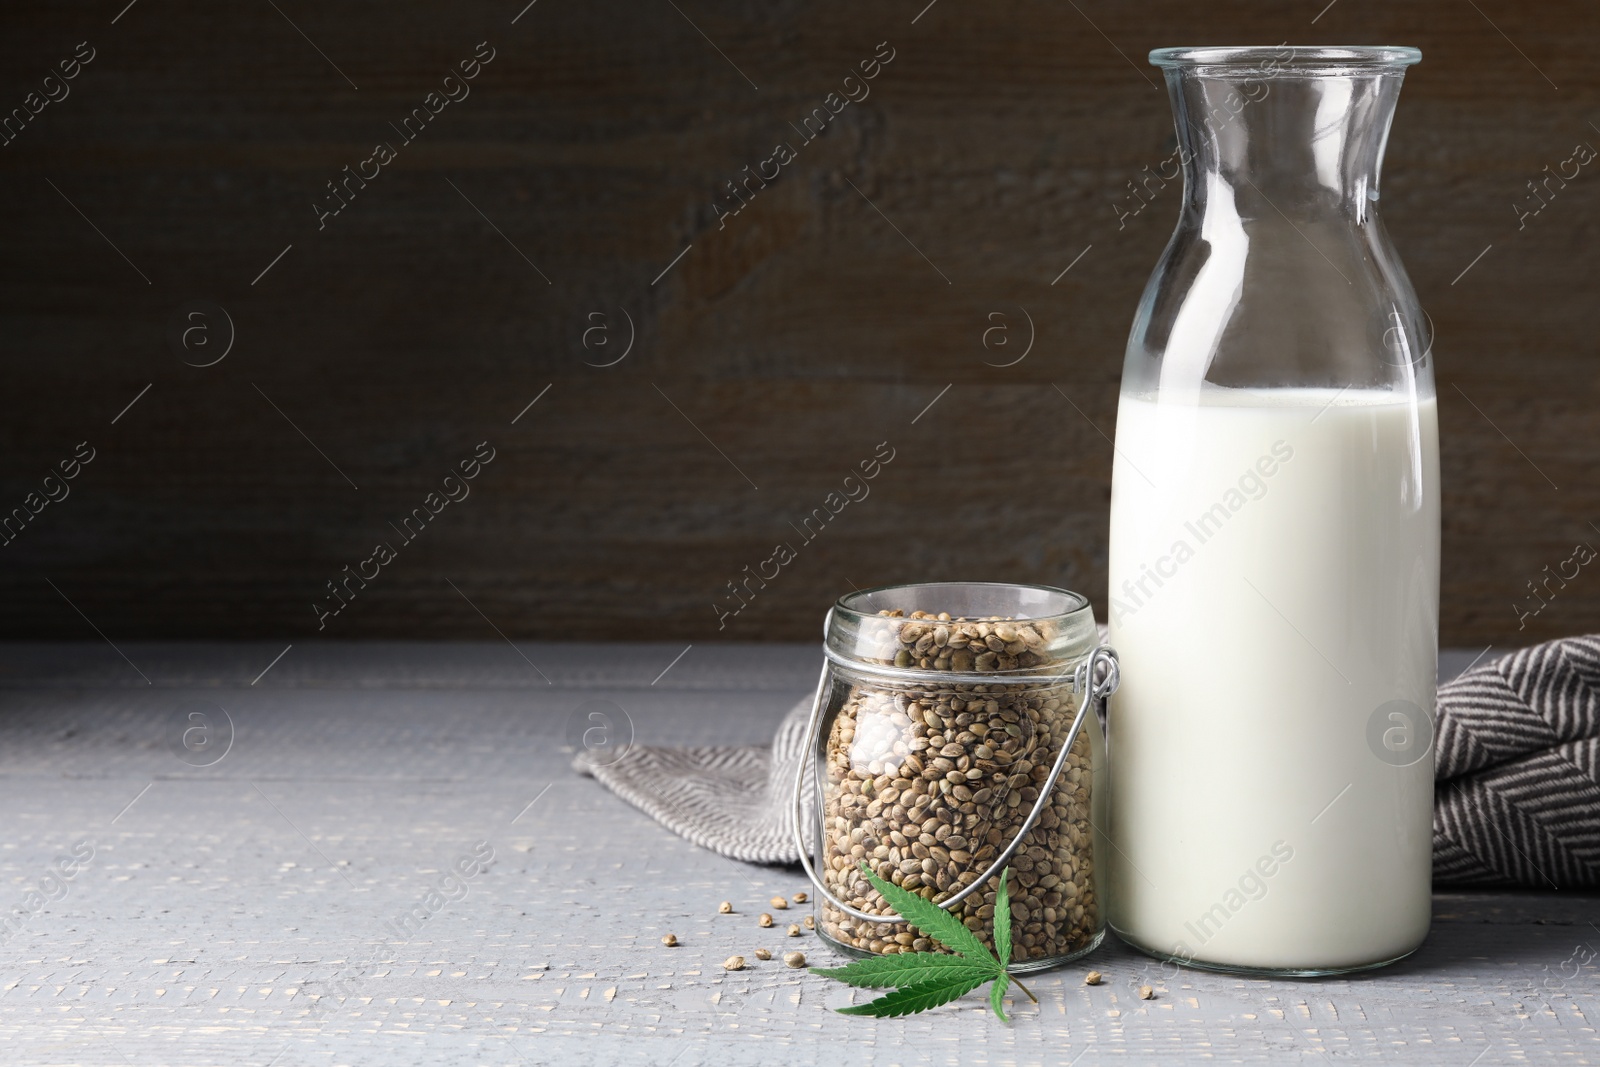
point(1066, 603)
point(1275, 59)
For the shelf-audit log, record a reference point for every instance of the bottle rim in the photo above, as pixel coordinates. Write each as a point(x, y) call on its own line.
point(1027, 601)
point(1278, 59)
point(858, 640)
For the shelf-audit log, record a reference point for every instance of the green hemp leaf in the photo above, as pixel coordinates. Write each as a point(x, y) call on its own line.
point(923, 980)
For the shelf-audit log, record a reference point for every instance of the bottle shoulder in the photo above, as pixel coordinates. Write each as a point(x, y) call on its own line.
point(1270, 301)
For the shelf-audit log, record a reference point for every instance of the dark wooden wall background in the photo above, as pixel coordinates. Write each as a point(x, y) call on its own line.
point(993, 149)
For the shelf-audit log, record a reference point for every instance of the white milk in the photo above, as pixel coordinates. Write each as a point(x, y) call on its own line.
point(1274, 583)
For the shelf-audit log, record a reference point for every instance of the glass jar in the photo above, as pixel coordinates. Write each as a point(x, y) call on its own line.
point(1274, 552)
point(953, 737)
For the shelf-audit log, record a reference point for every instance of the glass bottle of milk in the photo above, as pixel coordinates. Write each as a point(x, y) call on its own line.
point(1274, 559)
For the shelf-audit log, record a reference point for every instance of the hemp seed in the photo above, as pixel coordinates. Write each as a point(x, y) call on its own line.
point(800, 898)
point(764, 921)
point(725, 908)
point(795, 959)
point(763, 953)
point(1146, 993)
point(670, 940)
point(779, 903)
point(1092, 978)
point(733, 963)
point(794, 929)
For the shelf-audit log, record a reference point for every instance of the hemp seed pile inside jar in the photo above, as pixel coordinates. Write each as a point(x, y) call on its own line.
point(927, 781)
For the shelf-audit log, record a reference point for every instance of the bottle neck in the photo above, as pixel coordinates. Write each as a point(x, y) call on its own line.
point(1290, 145)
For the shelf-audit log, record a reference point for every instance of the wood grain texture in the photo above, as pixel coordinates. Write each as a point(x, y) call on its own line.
point(815, 324)
point(241, 912)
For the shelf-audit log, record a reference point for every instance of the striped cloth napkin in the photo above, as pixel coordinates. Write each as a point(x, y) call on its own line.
point(1517, 764)
point(1517, 758)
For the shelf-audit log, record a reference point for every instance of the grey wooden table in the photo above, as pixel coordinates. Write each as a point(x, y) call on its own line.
point(376, 854)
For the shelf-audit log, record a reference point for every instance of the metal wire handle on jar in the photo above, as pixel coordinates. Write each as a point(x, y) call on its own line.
point(1084, 680)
